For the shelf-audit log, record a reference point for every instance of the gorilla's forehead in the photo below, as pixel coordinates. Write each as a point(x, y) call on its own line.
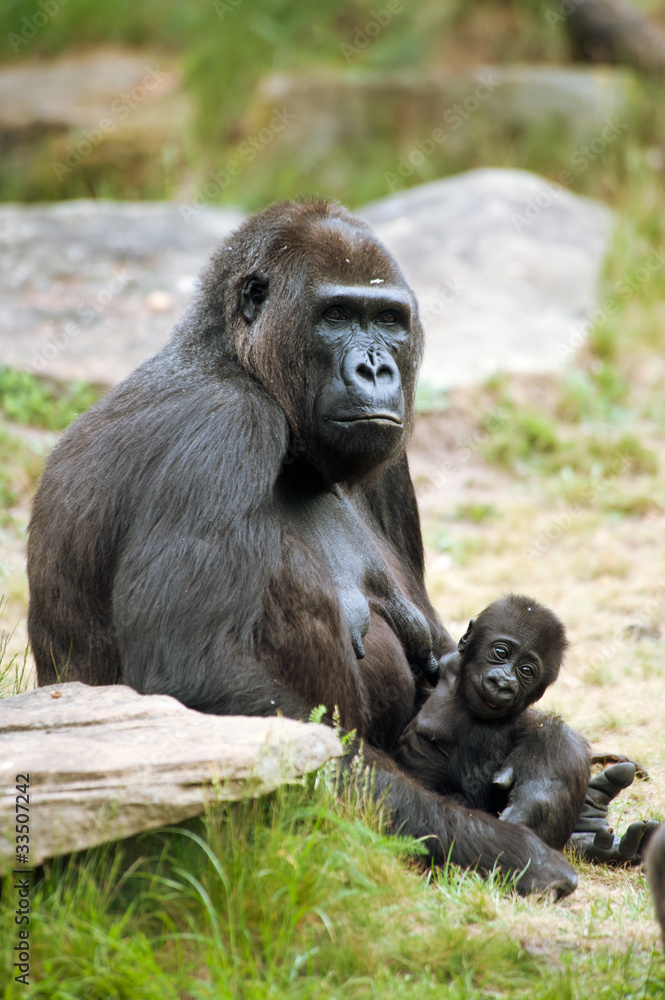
point(376, 292)
point(351, 249)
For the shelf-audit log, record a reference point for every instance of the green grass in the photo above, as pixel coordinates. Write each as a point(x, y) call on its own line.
point(529, 440)
point(594, 395)
point(20, 467)
point(474, 512)
point(292, 896)
point(29, 399)
point(13, 669)
point(11, 450)
point(429, 398)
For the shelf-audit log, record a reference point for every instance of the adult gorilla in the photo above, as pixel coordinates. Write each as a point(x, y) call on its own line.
point(235, 524)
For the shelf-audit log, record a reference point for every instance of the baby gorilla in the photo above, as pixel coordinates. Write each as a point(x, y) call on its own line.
point(465, 741)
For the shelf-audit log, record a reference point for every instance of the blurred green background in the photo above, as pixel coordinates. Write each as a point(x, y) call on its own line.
point(385, 71)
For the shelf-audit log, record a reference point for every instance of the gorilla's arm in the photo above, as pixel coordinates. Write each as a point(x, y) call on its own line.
point(550, 791)
point(158, 507)
point(392, 503)
point(547, 774)
point(467, 837)
point(214, 601)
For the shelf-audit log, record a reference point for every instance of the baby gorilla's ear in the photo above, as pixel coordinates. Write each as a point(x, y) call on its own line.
point(465, 638)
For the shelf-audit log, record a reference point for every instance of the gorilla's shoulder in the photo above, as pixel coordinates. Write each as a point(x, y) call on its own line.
point(167, 416)
point(165, 393)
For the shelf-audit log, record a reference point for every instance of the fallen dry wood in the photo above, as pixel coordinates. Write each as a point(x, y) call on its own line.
point(105, 763)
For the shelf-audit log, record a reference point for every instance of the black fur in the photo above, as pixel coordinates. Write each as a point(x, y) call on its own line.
point(235, 524)
point(655, 864)
point(476, 740)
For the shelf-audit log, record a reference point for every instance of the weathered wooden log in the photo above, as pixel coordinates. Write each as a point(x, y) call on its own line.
point(98, 764)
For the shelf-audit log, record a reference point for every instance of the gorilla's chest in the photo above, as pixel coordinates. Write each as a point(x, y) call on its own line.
point(339, 534)
point(476, 754)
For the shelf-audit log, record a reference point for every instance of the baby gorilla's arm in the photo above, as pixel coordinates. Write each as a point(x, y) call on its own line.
point(547, 774)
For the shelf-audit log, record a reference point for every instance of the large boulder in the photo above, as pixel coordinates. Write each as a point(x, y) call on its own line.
point(106, 762)
point(505, 266)
point(504, 263)
point(91, 289)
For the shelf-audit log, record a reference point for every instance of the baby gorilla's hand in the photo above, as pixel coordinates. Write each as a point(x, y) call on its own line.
point(529, 802)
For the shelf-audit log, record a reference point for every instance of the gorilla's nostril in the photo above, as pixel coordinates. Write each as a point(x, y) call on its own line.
point(373, 371)
point(366, 372)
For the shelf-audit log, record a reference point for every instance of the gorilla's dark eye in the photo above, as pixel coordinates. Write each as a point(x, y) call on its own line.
point(388, 316)
point(335, 314)
point(527, 670)
point(501, 652)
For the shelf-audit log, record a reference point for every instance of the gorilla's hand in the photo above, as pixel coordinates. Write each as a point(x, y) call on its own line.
point(531, 802)
point(593, 839)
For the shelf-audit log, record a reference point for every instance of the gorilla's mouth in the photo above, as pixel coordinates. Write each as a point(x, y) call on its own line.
point(491, 705)
point(483, 707)
point(379, 418)
point(499, 708)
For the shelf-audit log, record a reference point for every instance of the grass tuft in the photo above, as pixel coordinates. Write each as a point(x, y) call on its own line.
point(300, 894)
point(28, 399)
point(528, 440)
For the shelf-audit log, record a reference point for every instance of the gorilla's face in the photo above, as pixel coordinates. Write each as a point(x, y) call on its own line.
point(334, 336)
point(361, 346)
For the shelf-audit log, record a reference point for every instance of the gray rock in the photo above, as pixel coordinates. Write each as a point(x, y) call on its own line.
point(91, 289)
point(505, 266)
point(76, 90)
point(105, 119)
point(106, 763)
point(332, 113)
point(579, 100)
point(504, 263)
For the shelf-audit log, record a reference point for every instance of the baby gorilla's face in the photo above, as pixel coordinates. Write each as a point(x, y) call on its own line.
point(508, 656)
point(501, 677)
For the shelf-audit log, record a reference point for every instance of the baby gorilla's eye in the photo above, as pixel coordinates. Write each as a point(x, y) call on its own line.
point(501, 652)
point(527, 670)
point(388, 316)
point(335, 314)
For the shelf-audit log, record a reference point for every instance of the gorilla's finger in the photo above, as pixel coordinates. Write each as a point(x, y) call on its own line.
point(612, 780)
point(630, 842)
point(504, 778)
point(604, 839)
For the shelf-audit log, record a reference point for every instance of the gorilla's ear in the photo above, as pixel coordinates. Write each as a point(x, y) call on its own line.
point(253, 294)
point(463, 641)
